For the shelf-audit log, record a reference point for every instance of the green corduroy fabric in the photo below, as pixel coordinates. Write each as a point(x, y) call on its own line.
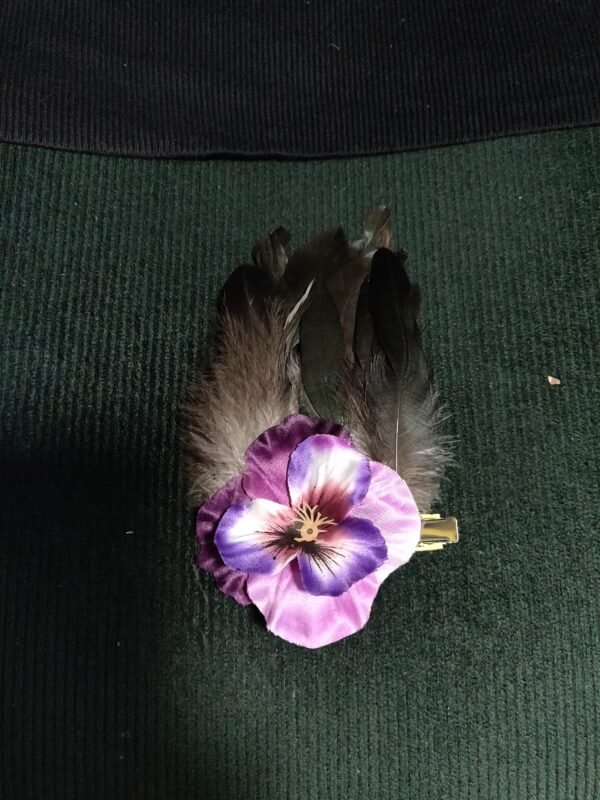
point(125, 673)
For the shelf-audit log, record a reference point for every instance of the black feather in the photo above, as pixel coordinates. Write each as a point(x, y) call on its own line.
point(394, 416)
point(320, 257)
point(395, 305)
point(377, 230)
point(327, 325)
point(345, 284)
point(269, 253)
point(322, 352)
point(248, 289)
point(363, 329)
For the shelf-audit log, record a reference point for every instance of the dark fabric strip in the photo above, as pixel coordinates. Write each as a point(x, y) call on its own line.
point(299, 78)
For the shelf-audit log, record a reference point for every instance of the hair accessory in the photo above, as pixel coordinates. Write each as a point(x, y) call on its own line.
point(313, 437)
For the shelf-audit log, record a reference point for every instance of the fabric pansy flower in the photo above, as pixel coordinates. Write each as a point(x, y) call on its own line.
point(308, 532)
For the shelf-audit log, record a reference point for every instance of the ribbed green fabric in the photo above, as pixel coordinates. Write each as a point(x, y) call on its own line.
point(125, 674)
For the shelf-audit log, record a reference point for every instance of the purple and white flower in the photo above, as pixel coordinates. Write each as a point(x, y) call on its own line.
point(309, 532)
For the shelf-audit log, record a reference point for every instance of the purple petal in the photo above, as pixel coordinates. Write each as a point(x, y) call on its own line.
point(229, 581)
point(342, 557)
point(247, 533)
point(392, 508)
point(327, 472)
point(267, 457)
point(306, 619)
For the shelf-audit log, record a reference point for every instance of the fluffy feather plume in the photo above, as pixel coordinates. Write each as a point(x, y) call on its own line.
point(333, 332)
point(252, 383)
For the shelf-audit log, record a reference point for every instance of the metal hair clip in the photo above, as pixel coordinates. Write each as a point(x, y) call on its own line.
point(437, 532)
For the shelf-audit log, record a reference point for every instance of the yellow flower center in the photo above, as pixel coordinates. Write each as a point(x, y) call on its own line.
point(310, 523)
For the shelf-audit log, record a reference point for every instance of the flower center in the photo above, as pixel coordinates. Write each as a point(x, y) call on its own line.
point(310, 523)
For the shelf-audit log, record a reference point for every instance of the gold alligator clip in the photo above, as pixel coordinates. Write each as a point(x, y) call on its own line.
point(437, 532)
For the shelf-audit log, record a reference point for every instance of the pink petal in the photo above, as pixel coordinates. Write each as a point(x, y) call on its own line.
point(267, 457)
point(310, 620)
point(229, 581)
point(247, 532)
point(327, 472)
point(391, 507)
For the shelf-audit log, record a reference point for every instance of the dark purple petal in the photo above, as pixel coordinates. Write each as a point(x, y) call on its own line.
point(326, 472)
point(342, 557)
point(229, 581)
point(265, 475)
